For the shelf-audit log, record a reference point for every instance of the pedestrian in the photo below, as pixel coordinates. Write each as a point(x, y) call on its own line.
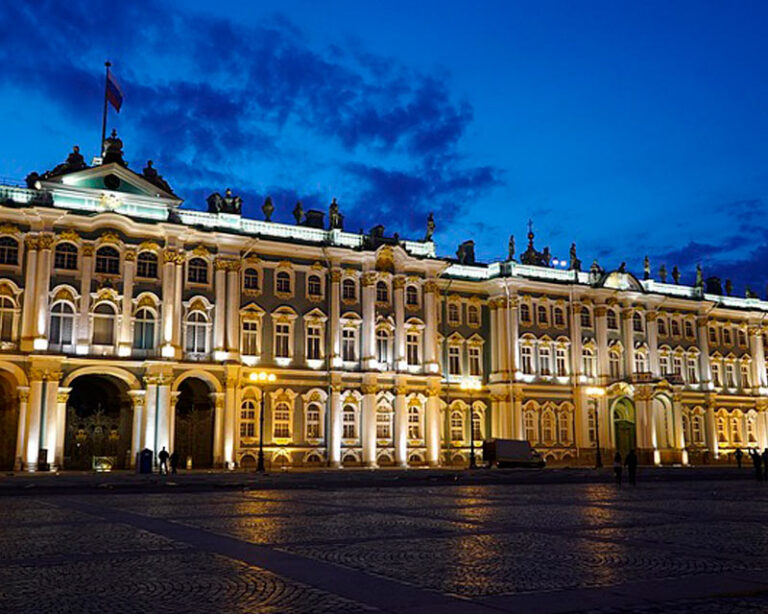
point(163, 456)
point(617, 467)
point(765, 465)
point(174, 461)
point(631, 463)
point(757, 462)
point(739, 455)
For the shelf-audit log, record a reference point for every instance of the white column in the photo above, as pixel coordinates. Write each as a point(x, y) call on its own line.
point(433, 426)
point(369, 425)
point(21, 432)
point(60, 419)
point(757, 350)
point(576, 342)
point(34, 425)
point(137, 400)
point(335, 317)
point(369, 320)
point(230, 415)
point(168, 306)
point(762, 425)
point(430, 331)
point(149, 417)
point(220, 305)
point(629, 342)
point(49, 420)
point(652, 334)
point(43, 287)
point(219, 411)
point(513, 333)
point(129, 272)
point(601, 337)
point(82, 332)
point(680, 443)
point(704, 365)
point(334, 426)
point(399, 294)
point(401, 427)
point(165, 415)
point(30, 293)
point(494, 337)
point(501, 333)
point(712, 443)
point(178, 280)
point(516, 405)
point(233, 308)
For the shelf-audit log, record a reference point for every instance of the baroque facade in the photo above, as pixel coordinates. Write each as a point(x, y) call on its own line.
point(129, 322)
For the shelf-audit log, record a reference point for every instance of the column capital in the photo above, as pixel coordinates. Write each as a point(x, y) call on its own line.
point(400, 390)
point(430, 286)
point(369, 389)
point(368, 279)
point(398, 283)
point(23, 392)
point(87, 250)
point(46, 240)
point(130, 255)
point(31, 243)
point(600, 311)
point(335, 275)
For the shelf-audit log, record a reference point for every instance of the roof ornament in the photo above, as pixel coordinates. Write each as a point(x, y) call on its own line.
point(430, 227)
point(595, 272)
point(699, 277)
point(728, 287)
point(511, 248)
point(530, 255)
point(622, 267)
point(335, 219)
point(224, 204)
point(663, 273)
point(574, 264)
point(113, 150)
point(748, 293)
point(150, 174)
point(74, 162)
point(676, 274)
point(465, 254)
point(268, 209)
point(646, 268)
point(298, 212)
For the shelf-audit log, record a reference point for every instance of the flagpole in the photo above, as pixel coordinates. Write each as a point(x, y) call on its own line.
point(104, 116)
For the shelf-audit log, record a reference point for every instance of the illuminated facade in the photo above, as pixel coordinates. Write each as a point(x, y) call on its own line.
point(129, 322)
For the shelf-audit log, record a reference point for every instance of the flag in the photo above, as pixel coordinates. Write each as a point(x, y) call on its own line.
point(114, 93)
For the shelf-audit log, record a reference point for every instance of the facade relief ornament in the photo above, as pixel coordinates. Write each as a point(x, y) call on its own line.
point(9, 229)
point(130, 255)
point(368, 279)
point(336, 275)
point(69, 235)
point(87, 250)
point(430, 286)
point(110, 237)
point(32, 243)
point(45, 241)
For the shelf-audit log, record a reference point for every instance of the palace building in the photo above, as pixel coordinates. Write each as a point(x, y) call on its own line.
point(128, 321)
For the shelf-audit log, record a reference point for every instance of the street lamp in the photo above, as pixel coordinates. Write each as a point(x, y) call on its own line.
point(471, 385)
point(594, 393)
point(263, 378)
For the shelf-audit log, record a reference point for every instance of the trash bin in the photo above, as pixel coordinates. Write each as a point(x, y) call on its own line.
point(144, 461)
point(42, 460)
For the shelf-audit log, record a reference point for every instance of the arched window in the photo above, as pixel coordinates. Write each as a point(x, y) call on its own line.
point(108, 261)
point(687, 429)
point(197, 332)
point(104, 324)
point(697, 428)
point(736, 436)
point(722, 430)
point(9, 251)
point(726, 335)
point(314, 288)
point(146, 265)
point(251, 279)
point(529, 425)
point(477, 425)
point(313, 421)
point(457, 426)
point(588, 362)
point(564, 427)
point(383, 423)
point(197, 271)
point(411, 296)
point(641, 362)
point(586, 318)
point(144, 329)
point(62, 324)
point(525, 313)
point(453, 314)
point(688, 329)
point(283, 282)
point(348, 423)
point(751, 429)
point(473, 315)
point(548, 427)
point(348, 290)
point(637, 322)
point(614, 365)
point(382, 292)
point(661, 323)
point(559, 316)
point(248, 419)
point(65, 257)
point(742, 337)
point(611, 320)
point(675, 327)
point(414, 422)
point(382, 346)
point(542, 315)
point(7, 315)
point(281, 421)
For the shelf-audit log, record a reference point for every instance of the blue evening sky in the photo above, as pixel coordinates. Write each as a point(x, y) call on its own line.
point(631, 128)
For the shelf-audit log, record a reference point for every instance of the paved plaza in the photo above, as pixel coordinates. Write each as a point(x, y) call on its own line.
point(684, 546)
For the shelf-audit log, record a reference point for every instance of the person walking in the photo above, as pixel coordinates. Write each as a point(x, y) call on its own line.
point(757, 462)
point(174, 461)
point(739, 455)
point(617, 467)
point(631, 463)
point(163, 457)
point(765, 465)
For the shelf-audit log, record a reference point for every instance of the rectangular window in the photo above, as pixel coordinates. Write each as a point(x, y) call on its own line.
point(250, 338)
point(745, 375)
point(383, 430)
point(313, 343)
point(545, 361)
point(677, 365)
point(693, 372)
point(561, 362)
point(475, 368)
point(588, 363)
point(730, 376)
point(412, 348)
point(454, 360)
point(282, 341)
point(614, 365)
point(716, 380)
point(349, 345)
point(526, 358)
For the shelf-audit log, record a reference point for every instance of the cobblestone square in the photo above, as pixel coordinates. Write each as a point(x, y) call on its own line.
point(661, 547)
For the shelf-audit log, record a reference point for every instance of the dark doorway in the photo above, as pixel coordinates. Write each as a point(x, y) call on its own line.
point(99, 423)
point(9, 422)
point(193, 433)
point(624, 426)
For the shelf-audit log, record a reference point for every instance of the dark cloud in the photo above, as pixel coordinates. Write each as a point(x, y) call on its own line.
point(206, 95)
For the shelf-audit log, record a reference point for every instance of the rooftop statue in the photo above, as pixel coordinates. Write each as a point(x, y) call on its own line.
point(511, 248)
point(623, 267)
point(574, 263)
point(335, 219)
point(113, 150)
point(430, 227)
point(298, 212)
point(749, 294)
point(663, 273)
point(74, 162)
point(595, 272)
point(699, 277)
point(531, 255)
point(676, 274)
point(150, 174)
point(268, 209)
point(224, 204)
point(465, 254)
point(728, 287)
point(646, 268)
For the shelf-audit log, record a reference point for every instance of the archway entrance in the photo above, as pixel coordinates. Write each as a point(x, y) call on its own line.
point(193, 430)
point(98, 424)
point(9, 421)
point(624, 426)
